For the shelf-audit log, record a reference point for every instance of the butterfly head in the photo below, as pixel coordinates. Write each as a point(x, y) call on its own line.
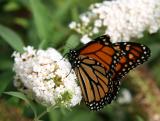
point(73, 57)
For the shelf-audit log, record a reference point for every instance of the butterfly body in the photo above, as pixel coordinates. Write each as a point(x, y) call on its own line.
point(100, 65)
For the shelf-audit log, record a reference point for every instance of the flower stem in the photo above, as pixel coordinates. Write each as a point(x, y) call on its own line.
point(45, 112)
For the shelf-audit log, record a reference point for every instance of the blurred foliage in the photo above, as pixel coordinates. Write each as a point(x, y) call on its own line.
point(44, 24)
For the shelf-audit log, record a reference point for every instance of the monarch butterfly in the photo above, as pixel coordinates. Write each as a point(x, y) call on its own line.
point(100, 65)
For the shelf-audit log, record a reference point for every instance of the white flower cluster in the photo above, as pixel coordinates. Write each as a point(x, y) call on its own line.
point(122, 20)
point(125, 97)
point(42, 74)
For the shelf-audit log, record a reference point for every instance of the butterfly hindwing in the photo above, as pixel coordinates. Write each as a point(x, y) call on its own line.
point(94, 82)
point(131, 55)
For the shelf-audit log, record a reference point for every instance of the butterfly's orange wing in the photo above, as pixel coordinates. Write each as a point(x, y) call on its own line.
point(100, 65)
point(131, 55)
point(102, 51)
point(94, 82)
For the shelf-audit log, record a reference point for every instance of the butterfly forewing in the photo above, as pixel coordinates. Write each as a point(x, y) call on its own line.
point(102, 51)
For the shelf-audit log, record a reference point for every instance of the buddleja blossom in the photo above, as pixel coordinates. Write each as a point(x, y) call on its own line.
point(125, 97)
point(120, 19)
point(42, 75)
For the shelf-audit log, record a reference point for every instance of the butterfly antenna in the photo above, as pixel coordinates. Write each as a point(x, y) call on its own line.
point(68, 73)
point(64, 56)
point(62, 59)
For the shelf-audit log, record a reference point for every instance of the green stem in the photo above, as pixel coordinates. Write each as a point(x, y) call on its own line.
point(45, 112)
point(42, 44)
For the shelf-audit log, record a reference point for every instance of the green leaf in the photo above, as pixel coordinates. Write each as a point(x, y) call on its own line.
point(23, 97)
point(139, 118)
point(5, 64)
point(42, 20)
point(11, 38)
point(63, 10)
point(72, 42)
point(155, 70)
point(55, 115)
point(11, 6)
point(155, 51)
point(75, 14)
point(5, 79)
point(18, 95)
point(81, 116)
